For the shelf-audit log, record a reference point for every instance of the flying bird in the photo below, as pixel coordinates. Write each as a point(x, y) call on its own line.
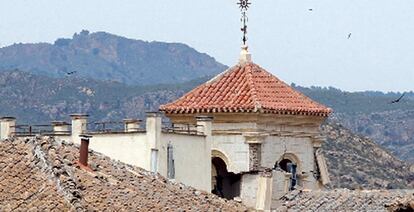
point(310, 9)
point(70, 73)
point(397, 100)
point(349, 35)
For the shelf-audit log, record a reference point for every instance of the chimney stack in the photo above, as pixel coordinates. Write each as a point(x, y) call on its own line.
point(132, 125)
point(83, 150)
point(7, 127)
point(79, 126)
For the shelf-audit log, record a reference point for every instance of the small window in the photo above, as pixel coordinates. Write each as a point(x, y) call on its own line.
point(154, 160)
point(170, 161)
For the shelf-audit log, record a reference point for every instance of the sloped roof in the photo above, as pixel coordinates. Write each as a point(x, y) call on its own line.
point(40, 175)
point(246, 88)
point(346, 200)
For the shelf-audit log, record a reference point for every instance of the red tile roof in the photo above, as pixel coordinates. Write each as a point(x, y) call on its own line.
point(246, 88)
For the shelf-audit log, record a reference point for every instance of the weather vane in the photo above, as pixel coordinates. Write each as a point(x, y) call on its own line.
point(244, 6)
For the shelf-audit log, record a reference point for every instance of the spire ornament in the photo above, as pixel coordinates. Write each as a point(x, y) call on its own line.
point(245, 56)
point(244, 6)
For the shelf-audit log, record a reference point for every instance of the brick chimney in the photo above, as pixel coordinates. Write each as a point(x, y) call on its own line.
point(83, 151)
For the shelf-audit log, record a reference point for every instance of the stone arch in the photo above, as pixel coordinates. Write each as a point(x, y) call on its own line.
point(292, 157)
point(224, 183)
point(290, 163)
point(215, 153)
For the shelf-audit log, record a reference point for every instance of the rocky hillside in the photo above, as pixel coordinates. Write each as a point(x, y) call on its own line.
point(36, 99)
point(393, 130)
point(356, 162)
point(371, 114)
point(104, 56)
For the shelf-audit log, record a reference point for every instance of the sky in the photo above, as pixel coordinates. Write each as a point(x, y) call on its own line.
point(297, 45)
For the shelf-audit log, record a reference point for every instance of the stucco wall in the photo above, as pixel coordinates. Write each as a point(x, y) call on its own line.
point(273, 148)
point(248, 189)
point(130, 148)
point(192, 159)
point(235, 149)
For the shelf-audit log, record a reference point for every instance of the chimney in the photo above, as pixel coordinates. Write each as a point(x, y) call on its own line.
point(131, 125)
point(79, 122)
point(204, 124)
point(83, 150)
point(154, 128)
point(60, 127)
point(7, 127)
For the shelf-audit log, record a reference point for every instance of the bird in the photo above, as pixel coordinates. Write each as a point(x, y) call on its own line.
point(349, 35)
point(70, 73)
point(397, 100)
point(310, 9)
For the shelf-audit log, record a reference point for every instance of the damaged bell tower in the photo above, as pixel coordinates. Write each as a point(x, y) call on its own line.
point(265, 134)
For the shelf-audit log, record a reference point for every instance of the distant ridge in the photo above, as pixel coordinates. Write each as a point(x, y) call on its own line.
point(104, 56)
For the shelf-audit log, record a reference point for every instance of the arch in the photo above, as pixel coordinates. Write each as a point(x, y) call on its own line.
point(224, 183)
point(215, 153)
point(290, 163)
point(291, 157)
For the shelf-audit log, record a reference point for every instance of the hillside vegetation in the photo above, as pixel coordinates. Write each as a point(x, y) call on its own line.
point(103, 56)
point(371, 114)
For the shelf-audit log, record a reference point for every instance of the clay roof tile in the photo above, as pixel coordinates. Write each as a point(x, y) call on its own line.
point(244, 87)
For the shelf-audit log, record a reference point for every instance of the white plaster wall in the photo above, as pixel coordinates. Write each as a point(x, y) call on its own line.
point(235, 149)
point(128, 148)
point(192, 159)
point(274, 147)
point(248, 189)
point(234, 126)
point(280, 186)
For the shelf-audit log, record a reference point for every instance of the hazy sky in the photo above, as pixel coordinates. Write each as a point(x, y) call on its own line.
point(308, 48)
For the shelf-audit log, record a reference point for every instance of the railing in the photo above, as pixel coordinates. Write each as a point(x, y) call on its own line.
point(110, 127)
point(25, 130)
point(190, 129)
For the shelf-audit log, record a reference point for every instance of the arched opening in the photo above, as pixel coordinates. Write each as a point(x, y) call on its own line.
point(290, 167)
point(224, 184)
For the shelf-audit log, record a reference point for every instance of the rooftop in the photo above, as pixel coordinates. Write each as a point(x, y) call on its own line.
point(347, 200)
point(246, 87)
point(40, 174)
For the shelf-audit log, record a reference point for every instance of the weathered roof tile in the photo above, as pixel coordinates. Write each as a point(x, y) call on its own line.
point(32, 179)
point(246, 87)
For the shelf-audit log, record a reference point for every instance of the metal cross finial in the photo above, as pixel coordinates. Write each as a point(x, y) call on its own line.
point(244, 6)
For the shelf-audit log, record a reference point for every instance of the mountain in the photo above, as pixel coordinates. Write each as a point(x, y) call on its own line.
point(38, 99)
point(103, 56)
point(371, 114)
point(354, 161)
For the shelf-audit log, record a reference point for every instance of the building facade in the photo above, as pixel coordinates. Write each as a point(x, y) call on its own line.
point(243, 135)
point(265, 138)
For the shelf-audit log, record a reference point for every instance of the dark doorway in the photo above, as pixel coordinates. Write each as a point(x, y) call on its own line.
point(290, 167)
point(225, 184)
